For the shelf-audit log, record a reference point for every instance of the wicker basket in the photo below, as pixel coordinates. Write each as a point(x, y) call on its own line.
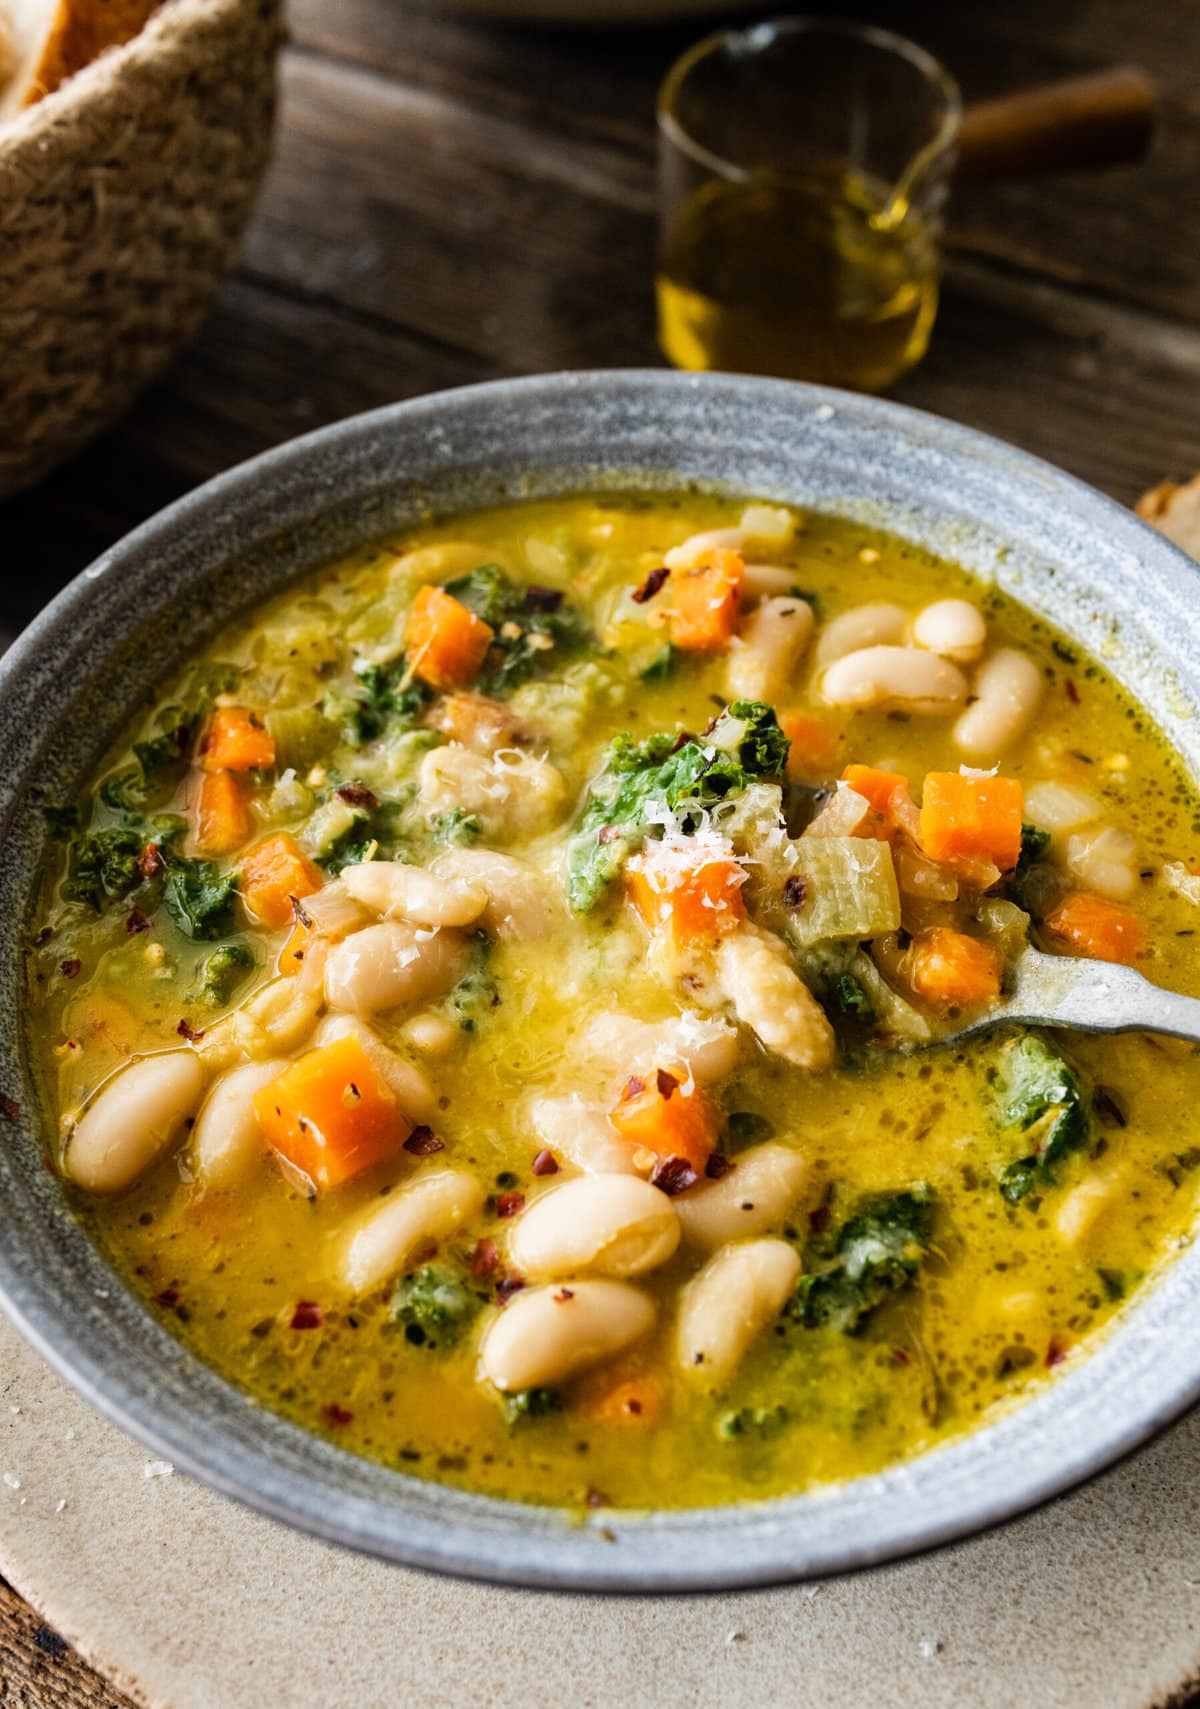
point(122, 198)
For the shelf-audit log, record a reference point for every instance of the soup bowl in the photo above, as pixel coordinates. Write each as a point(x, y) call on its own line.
point(69, 683)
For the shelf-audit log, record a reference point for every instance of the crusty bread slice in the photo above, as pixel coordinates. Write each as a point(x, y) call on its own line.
point(43, 42)
point(1175, 511)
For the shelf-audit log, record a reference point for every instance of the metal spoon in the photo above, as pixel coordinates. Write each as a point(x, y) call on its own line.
point(1091, 996)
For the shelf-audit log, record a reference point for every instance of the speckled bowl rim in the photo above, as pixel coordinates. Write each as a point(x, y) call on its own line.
point(65, 690)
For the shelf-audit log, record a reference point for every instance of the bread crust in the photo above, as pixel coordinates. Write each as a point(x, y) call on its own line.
point(1174, 509)
point(76, 32)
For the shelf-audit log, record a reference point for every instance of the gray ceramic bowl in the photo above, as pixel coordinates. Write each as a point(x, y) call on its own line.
point(65, 689)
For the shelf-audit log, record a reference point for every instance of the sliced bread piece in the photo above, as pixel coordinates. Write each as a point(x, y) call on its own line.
point(43, 42)
point(1175, 511)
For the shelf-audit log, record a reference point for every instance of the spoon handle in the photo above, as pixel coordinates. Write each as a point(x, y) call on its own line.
point(1100, 120)
point(1098, 997)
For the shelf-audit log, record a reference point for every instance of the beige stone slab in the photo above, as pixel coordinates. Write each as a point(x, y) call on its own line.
point(189, 1602)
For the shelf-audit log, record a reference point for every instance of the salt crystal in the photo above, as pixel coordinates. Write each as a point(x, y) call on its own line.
point(60, 1504)
point(735, 1637)
point(14, 1410)
point(70, 1434)
point(157, 1469)
point(12, 1480)
point(930, 1647)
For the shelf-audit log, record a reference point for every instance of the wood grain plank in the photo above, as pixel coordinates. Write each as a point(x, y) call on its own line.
point(39, 1670)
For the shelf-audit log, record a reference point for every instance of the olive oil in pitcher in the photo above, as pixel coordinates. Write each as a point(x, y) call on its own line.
point(810, 278)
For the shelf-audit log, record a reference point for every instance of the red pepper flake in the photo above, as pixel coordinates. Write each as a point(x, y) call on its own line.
point(72, 968)
point(307, 1315)
point(666, 1083)
point(901, 1356)
point(9, 1108)
point(654, 583)
point(423, 1142)
point(137, 922)
point(485, 1260)
point(1056, 1352)
point(510, 1204)
point(795, 891)
point(597, 1498)
point(818, 1220)
point(608, 833)
point(1072, 691)
point(562, 1295)
point(673, 1175)
point(168, 1299)
point(301, 914)
point(507, 1286)
point(358, 795)
point(545, 1163)
point(336, 1415)
point(718, 1166)
point(150, 862)
point(633, 1089)
point(187, 1031)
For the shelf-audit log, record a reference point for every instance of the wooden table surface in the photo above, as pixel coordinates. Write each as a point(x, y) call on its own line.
point(454, 201)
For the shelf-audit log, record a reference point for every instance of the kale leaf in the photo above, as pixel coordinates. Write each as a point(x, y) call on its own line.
point(850, 997)
point(534, 627)
point(456, 829)
point(104, 864)
point(529, 1403)
point(435, 1305)
point(671, 774)
point(1023, 885)
point(160, 761)
point(219, 975)
point(876, 1254)
point(1042, 1097)
point(385, 699)
point(753, 1421)
point(199, 897)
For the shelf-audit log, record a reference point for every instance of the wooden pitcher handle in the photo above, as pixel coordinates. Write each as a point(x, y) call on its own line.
point(1102, 120)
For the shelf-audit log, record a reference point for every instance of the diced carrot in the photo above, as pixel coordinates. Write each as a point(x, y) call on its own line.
point(656, 1114)
point(220, 813)
point(629, 1403)
point(274, 873)
point(291, 956)
point(234, 740)
point(446, 643)
point(1097, 928)
point(693, 898)
point(332, 1114)
point(948, 969)
point(814, 748)
point(966, 818)
point(704, 602)
point(875, 785)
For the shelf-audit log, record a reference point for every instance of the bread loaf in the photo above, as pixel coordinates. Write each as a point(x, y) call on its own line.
point(43, 42)
point(1175, 511)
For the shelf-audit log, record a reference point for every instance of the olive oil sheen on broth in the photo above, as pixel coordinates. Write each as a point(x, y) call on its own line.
point(814, 277)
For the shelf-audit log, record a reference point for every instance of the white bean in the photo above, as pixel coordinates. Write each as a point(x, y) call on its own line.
point(133, 1119)
point(1061, 806)
point(1104, 860)
point(757, 977)
point(1008, 691)
point(698, 546)
point(705, 1047)
point(582, 1133)
point(764, 660)
point(431, 1034)
point(546, 1335)
point(953, 628)
point(278, 1017)
point(511, 794)
point(392, 963)
point(410, 1088)
point(740, 1291)
point(603, 1225)
point(756, 1194)
point(1083, 1210)
point(227, 1140)
point(522, 902)
point(904, 677)
point(432, 1206)
point(863, 626)
point(410, 892)
point(763, 581)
